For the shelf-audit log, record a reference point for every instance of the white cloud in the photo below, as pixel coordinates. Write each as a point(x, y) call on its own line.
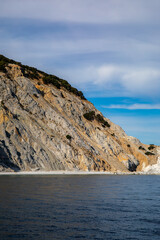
point(142, 81)
point(134, 80)
point(135, 106)
point(92, 11)
point(124, 80)
point(121, 79)
point(107, 72)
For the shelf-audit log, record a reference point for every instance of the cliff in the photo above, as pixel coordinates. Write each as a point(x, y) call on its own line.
point(46, 124)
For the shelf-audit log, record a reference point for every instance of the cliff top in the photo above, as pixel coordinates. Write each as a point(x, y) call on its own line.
point(34, 73)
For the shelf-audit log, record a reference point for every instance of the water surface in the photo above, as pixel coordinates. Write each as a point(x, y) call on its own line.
point(80, 207)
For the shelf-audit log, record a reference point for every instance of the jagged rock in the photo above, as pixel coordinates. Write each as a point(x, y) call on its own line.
point(35, 119)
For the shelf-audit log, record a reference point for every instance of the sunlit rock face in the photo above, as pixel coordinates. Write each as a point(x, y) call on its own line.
point(155, 168)
point(44, 126)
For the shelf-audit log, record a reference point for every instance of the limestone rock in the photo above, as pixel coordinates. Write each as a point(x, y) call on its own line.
point(42, 127)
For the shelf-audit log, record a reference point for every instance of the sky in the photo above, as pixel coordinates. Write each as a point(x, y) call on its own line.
point(109, 49)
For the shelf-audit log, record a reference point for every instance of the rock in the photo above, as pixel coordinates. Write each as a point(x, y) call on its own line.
point(35, 120)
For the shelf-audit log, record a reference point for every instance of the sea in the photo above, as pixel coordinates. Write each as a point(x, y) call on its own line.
point(80, 207)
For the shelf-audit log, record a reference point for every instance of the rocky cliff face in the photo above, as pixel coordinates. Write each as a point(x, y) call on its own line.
point(45, 124)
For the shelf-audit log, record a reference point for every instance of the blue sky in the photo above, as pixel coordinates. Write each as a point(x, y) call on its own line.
point(109, 49)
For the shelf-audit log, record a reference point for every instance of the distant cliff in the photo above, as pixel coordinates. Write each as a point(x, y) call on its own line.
point(46, 124)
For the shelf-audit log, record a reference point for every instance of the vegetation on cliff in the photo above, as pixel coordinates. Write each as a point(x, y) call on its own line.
point(34, 73)
point(90, 116)
point(151, 147)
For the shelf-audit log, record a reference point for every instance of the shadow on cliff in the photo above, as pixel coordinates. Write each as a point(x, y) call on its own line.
point(5, 158)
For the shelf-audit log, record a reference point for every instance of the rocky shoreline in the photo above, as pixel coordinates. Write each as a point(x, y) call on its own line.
point(75, 173)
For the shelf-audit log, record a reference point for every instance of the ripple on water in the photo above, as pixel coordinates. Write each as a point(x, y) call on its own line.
point(80, 207)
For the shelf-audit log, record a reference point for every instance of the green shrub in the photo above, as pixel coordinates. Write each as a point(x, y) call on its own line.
point(151, 147)
point(30, 72)
point(149, 153)
point(58, 82)
point(100, 119)
point(68, 137)
point(106, 124)
point(49, 79)
point(90, 115)
point(141, 148)
point(2, 66)
point(4, 62)
point(27, 71)
point(68, 87)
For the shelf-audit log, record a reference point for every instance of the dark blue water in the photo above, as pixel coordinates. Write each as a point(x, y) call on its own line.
point(80, 207)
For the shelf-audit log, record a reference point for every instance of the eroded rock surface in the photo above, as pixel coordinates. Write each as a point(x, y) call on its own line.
point(43, 127)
